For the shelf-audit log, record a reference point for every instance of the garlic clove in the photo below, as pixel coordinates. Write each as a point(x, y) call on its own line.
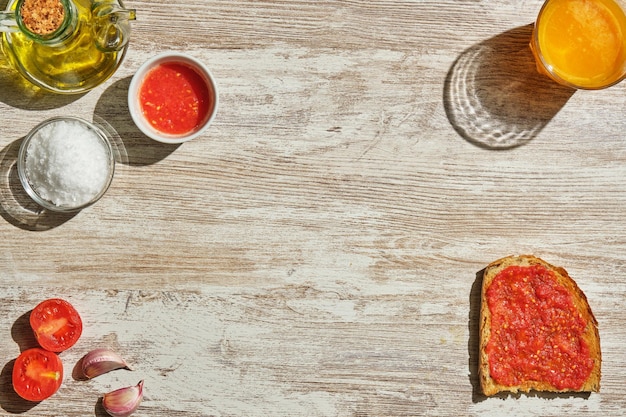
point(101, 361)
point(124, 401)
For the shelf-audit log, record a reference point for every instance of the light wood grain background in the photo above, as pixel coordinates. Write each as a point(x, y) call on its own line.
point(316, 252)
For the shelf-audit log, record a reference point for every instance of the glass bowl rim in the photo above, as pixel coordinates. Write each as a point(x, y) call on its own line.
point(30, 190)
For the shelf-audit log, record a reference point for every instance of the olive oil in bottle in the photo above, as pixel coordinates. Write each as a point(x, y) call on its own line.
point(69, 60)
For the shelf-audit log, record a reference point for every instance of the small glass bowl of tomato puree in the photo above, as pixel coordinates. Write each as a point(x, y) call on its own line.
point(173, 98)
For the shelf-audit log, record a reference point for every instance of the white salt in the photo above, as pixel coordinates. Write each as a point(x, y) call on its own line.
point(67, 163)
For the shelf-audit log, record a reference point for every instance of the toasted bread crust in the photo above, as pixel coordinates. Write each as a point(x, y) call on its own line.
point(590, 336)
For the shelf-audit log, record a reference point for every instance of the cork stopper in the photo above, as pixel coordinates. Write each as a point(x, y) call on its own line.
point(42, 17)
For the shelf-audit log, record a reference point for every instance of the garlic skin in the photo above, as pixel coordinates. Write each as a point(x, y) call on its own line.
point(124, 401)
point(101, 361)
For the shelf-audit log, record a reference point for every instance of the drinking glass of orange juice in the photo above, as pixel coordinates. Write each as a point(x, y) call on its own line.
point(581, 43)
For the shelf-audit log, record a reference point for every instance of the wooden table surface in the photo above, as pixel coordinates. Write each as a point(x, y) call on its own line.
point(317, 251)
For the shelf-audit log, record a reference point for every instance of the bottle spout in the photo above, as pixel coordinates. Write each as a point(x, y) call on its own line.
point(111, 25)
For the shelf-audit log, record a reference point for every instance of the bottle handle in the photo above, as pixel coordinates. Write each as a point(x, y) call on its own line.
point(111, 25)
point(7, 22)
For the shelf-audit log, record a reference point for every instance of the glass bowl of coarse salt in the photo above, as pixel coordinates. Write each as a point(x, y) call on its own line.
point(66, 164)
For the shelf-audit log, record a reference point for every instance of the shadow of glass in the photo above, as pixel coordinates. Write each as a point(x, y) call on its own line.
point(16, 206)
point(117, 144)
point(17, 92)
point(113, 114)
point(495, 98)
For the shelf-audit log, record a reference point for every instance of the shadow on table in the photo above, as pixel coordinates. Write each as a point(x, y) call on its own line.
point(22, 333)
point(16, 206)
point(495, 98)
point(111, 113)
point(17, 92)
point(474, 336)
point(99, 409)
point(133, 147)
point(130, 146)
point(9, 400)
point(473, 351)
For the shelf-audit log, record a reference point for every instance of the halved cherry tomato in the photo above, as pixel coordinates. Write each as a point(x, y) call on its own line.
point(56, 324)
point(37, 374)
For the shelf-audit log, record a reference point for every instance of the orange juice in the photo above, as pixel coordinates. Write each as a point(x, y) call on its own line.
point(581, 43)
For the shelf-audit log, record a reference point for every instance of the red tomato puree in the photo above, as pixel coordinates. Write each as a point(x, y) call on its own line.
point(174, 98)
point(539, 330)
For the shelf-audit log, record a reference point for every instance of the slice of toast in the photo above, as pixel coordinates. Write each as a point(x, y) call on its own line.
point(537, 331)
